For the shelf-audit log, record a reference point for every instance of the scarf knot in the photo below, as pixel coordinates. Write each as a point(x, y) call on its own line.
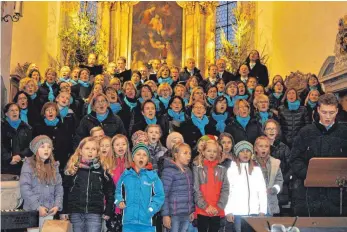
point(150, 121)
point(231, 101)
point(64, 111)
point(165, 101)
point(14, 124)
point(264, 116)
point(293, 105)
point(24, 115)
point(84, 84)
point(165, 80)
point(51, 93)
point(102, 117)
point(200, 123)
point(311, 104)
point(115, 107)
point(131, 105)
point(211, 100)
point(176, 116)
point(33, 96)
point(220, 119)
point(243, 120)
point(277, 95)
point(53, 122)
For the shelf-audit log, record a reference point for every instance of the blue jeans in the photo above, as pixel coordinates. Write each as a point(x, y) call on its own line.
point(179, 223)
point(86, 222)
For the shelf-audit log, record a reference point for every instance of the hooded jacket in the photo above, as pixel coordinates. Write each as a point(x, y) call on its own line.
point(179, 190)
point(143, 196)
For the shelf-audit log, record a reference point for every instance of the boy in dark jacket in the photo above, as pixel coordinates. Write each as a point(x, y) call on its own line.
point(177, 178)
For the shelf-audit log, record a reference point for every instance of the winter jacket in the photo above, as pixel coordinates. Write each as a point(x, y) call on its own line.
point(14, 142)
point(44, 91)
point(310, 113)
point(61, 136)
point(271, 116)
point(144, 196)
point(35, 193)
point(291, 122)
point(250, 133)
point(282, 152)
point(112, 125)
point(156, 151)
point(127, 117)
point(87, 190)
point(260, 72)
point(247, 192)
point(275, 103)
point(274, 180)
point(179, 190)
point(185, 75)
point(117, 172)
point(166, 121)
point(192, 134)
point(211, 187)
point(342, 116)
point(227, 76)
point(312, 141)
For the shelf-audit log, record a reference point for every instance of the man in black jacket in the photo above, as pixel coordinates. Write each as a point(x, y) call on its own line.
point(323, 138)
point(222, 73)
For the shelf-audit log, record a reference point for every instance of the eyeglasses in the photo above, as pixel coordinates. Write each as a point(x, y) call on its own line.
point(199, 107)
point(100, 102)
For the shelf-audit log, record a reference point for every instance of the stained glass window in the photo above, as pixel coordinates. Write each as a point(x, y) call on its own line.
point(224, 21)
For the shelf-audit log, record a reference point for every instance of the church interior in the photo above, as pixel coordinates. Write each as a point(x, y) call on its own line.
point(296, 41)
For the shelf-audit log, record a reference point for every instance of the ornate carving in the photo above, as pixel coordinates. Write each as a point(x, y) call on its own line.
point(207, 7)
point(341, 45)
point(125, 6)
point(188, 6)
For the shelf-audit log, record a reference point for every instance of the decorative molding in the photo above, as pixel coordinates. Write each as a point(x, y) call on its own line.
point(126, 5)
point(189, 7)
point(207, 8)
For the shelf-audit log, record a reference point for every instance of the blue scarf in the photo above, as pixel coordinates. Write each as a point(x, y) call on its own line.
point(13, 124)
point(211, 101)
point(165, 101)
point(64, 111)
point(131, 105)
point(165, 80)
point(238, 97)
point(71, 100)
point(102, 117)
point(115, 107)
point(186, 101)
point(119, 91)
point(62, 79)
point(151, 121)
point(264, 117)
point(89, 109)
point(313, 87)
point(157, 104)
point(73, 82)
point(39, 84)
point(293, 105)
point(54, 122)
point(220, 94)
point(250, 91)
point(200, 123)
point(311, 104)
point(277, 95)
point(50, 94)
point(220, 118)
point(84, 84)
point(24, 115)
point(243, 121)
point(230, 100)
point(176, 116)
point(33, 96)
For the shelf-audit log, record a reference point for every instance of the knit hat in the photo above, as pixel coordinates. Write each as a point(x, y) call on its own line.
point(140, 146)
point(139, 136)
point(172, 136)
point(38, 141)
point(240, 146)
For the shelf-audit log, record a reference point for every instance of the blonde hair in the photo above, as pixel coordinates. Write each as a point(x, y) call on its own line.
point(237, 106)
point(180, 86)
point(63, 68)
point(309, 93)
point(258, 98)
point(127, 155)
point(191, 98)
point(115, 79)
point(45, 172)
point(108, 162)
point(25, 81)
point(162, 86)
point(95, 129)
point(199, 160)
point(125, 85)
point(73, 163)
point(177, 147)
point(150, 83)
point(50, 70)
point(98, 82)
point(161, 69)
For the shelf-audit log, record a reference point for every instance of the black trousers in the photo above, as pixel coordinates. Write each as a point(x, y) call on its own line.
point(208, 224)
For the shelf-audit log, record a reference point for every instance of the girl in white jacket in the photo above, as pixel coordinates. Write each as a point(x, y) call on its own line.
point(247, 196)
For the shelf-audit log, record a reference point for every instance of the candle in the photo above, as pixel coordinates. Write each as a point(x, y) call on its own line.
point(17, 7)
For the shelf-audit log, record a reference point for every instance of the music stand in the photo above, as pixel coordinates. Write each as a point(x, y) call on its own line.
point(327, 173)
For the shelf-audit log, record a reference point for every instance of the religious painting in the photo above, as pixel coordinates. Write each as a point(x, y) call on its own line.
point(156, 33)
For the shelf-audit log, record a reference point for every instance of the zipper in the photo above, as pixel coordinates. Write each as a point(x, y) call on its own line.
point(188, 191)
point(74, 182)
point(87, 192)
point(249, 192)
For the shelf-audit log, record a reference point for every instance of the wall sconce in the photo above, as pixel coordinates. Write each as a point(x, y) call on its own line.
point(17, 13)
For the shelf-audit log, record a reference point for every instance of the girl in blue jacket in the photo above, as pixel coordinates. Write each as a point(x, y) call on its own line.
point(143, 193)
